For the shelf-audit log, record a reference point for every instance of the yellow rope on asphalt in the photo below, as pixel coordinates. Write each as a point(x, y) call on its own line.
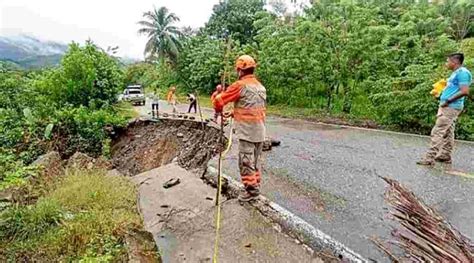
point(219, 189)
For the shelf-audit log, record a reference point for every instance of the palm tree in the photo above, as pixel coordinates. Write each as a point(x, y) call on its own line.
point(163, 36)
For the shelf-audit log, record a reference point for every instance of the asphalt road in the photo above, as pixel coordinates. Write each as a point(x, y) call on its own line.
point(329, 176)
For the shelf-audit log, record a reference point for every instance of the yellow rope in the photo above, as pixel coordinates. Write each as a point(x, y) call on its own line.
point(219, 189)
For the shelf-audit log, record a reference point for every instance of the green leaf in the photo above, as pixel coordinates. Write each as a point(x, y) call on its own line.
point(28, 115)
point(48, 131)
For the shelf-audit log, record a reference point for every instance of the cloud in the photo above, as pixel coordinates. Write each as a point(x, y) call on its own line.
point(106, 22)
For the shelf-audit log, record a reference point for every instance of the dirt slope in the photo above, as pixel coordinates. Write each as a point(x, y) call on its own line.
point(147, 144)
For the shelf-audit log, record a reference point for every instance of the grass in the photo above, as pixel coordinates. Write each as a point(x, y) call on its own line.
point(83, 217)
point(304, 113)
point(205, 101)
point(292, 112)
point(126, 110)
point(320, 115)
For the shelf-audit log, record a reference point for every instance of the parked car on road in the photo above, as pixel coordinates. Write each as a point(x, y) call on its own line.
point(134, 94)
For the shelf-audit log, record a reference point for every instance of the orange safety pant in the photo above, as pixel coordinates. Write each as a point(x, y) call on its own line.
point(249, 164)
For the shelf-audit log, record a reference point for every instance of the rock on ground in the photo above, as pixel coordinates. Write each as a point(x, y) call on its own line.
point(181, 219)
point(83, 161)
point(50, 164)
point(141, 247)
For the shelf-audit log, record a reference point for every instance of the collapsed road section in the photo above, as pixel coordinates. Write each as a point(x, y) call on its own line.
point(181, 215)
point(148, 144)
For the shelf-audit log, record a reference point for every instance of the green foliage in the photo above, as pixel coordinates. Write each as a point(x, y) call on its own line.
point(460, 16)
point(154, 77)
point(87, 77)
point(21, 223)
point(163, 37)
point(63, 109)
point(234, 17)
point(14, 97)
point(141, 73)
point(167, 76)
point(201, 63)
point(83, 217)
point(408, 104)
point(82, 129)
point(372, 60)
point(8, 66)
point(13, 172)
point(467, 47)
point(81, 190)
point(48, 131)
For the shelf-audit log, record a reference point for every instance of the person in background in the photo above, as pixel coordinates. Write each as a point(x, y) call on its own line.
point(218, 90)
point(451, 105)
point(155, 105)
point(172, 99)
point(192, 102)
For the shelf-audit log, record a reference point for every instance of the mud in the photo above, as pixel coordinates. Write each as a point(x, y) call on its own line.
point(147, 144)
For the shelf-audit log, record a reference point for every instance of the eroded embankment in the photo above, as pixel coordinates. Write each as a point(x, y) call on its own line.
point(145, 144)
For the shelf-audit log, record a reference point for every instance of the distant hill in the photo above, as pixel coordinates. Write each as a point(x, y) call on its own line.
point(29, 52)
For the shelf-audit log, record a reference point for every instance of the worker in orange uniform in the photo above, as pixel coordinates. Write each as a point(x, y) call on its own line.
point(214, 94)
point(171, 98)
point(249, 97)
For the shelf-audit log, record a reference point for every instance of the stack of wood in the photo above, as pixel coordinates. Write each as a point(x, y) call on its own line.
point(425, 236)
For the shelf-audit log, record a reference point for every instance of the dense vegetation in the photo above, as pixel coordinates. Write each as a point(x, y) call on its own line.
point(364, 60)
point(374, 60)
point(63, 109)
point(79, 215)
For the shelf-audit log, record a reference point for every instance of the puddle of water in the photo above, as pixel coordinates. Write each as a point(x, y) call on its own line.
point(166, 242)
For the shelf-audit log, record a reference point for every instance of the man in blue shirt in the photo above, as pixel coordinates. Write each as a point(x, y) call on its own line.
point(451, 105)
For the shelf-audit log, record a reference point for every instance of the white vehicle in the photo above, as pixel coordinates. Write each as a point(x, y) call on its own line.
point(134, 94)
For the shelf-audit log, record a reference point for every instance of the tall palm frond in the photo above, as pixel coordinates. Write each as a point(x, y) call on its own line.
point(163, 37)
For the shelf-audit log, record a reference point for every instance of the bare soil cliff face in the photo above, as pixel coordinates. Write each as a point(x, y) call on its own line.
point(145, 145)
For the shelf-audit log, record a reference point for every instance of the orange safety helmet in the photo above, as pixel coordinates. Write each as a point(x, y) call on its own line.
point(245, 62)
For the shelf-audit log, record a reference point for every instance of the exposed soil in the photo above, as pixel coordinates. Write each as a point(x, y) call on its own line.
point(146, 144)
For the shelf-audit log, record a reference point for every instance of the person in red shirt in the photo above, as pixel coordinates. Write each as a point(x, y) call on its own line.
point(249, 97)
point(214, 94)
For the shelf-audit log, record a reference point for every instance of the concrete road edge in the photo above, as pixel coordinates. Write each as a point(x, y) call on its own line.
point(290, 223)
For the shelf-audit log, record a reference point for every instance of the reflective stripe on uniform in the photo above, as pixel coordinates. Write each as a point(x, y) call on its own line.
point(250, 180)
point(249, 114)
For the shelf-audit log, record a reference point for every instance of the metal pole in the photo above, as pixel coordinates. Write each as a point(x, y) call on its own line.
point(221, 138)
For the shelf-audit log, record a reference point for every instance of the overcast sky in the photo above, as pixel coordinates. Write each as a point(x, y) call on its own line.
point(106, 22)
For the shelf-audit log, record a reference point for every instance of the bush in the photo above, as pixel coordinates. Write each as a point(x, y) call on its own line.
point(370, 60)
point(13, 172)
point(82, 129)
point(65, 108)
point(87, 77)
